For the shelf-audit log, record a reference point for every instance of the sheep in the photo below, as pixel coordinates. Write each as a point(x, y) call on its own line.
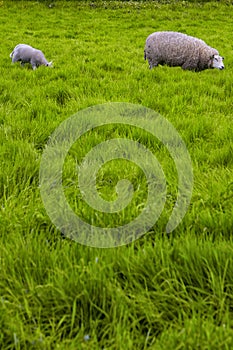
point(27, 54)
point(178, 49)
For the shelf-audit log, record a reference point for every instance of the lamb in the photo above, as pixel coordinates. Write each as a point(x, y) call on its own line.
point(178, 49)
point(27, 54)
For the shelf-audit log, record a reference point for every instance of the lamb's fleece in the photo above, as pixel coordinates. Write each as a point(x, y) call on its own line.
point(28, 54)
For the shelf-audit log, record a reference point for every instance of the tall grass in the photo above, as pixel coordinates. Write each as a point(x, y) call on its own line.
point(163, 291)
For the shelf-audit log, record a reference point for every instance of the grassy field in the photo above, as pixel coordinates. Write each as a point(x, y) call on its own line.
point(163, 291)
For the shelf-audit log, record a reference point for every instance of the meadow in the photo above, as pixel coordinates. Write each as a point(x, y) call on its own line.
point(165, 290)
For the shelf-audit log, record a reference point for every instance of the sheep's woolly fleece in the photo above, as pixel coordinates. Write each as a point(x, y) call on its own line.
point(178, 49)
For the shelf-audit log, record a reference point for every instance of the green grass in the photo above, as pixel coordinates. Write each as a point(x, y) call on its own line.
point(163, 291)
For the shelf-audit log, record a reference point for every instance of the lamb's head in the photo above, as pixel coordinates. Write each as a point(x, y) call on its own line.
point(49, 64)
point(216, 61)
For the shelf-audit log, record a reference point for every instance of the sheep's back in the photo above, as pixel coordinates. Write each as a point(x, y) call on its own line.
point(172, 48)
point(24, 52)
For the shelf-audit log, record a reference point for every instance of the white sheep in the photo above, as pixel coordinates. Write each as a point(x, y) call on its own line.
point(27, 54)
point(178, 49)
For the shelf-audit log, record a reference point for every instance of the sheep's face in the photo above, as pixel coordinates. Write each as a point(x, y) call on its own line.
point(217, 62)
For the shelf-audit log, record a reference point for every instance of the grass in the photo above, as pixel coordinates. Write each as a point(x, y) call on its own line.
point(163, 291)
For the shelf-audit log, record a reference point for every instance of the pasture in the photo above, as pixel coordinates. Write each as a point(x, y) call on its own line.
point(165, 290)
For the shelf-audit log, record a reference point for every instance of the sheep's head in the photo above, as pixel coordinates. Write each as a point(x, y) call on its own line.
point(216, 61)
point(49, 64)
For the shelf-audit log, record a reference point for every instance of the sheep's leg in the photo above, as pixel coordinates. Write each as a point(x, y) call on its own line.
point(22, 64)
point(15, 59)
point(185, 66)
point(152, 64)
point(33, 64)
point(189, 65)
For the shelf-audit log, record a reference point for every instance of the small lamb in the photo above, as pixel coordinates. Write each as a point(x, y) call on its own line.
point(27, 54)
point(178, 49)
